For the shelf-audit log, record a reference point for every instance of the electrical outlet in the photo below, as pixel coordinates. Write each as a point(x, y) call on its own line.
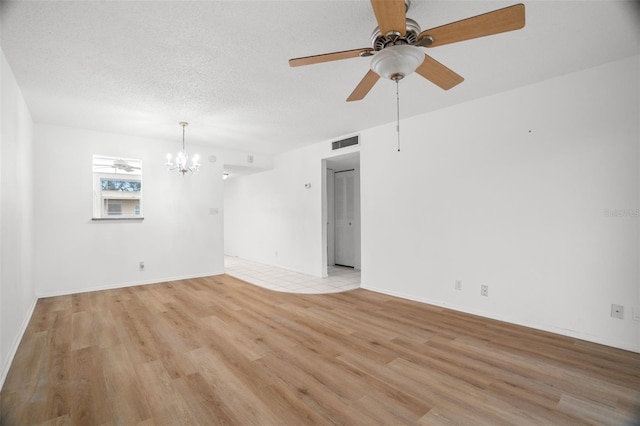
point(484, 290)
point(617, 311)
point(636, 313)
point(141, 265)
point(458, 285)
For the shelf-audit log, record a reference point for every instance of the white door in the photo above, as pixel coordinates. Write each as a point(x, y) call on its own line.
point(345, 193)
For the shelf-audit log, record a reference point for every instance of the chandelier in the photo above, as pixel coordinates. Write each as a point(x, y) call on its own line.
point(181, 163)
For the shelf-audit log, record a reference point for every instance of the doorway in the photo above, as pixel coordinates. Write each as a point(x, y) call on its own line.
point(341, 205)
point(344, 217)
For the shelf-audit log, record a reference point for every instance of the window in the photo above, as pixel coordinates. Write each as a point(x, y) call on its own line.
point(117, 188)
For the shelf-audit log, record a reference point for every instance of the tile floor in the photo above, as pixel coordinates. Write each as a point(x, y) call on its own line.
point(278, 279)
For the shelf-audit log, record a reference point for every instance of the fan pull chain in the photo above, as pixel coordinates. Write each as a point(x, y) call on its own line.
point(398, 111)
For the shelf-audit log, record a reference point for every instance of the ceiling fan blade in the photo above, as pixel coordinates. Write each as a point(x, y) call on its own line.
point(499, 21)
point(364, 86)
point(326, 57)
point(391, 15)
point(438, 74)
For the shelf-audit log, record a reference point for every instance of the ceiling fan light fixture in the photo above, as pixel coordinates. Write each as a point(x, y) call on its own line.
point(397, 62)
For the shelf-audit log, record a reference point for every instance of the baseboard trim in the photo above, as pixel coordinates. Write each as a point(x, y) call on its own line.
point(66, 292)
point(627, 346)
point(16, 343)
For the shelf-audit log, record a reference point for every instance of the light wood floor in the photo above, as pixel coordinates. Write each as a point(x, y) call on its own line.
point(220, 351)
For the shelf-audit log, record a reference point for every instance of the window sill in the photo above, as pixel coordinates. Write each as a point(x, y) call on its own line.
point(117, 218)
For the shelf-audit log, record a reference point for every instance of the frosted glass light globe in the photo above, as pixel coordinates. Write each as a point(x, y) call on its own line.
point(396, 62)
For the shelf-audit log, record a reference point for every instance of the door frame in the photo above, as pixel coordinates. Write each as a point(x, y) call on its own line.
point(338, 205)
point(330, 165)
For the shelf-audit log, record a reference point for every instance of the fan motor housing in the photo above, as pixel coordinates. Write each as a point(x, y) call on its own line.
point(379, 41)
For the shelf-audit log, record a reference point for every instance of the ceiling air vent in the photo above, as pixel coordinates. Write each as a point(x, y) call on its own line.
point(353, 140)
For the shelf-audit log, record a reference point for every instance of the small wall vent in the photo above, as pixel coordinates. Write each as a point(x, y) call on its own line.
point(353, 140)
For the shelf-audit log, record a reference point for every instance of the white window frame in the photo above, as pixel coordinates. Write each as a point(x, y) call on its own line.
point(116, 169)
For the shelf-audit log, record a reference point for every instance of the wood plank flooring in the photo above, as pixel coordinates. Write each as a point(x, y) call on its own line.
point(217, 350)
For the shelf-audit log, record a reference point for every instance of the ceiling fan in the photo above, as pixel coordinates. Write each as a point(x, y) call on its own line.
point(396, 44)
point(121, 164)
point(117, 164)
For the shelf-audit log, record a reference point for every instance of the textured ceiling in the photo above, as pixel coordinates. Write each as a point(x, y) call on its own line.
point(139, 67)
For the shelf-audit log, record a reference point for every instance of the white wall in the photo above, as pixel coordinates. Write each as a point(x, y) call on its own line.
point(515, 191)
point(270, 217)
point(181, 235)
point(17, 289)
